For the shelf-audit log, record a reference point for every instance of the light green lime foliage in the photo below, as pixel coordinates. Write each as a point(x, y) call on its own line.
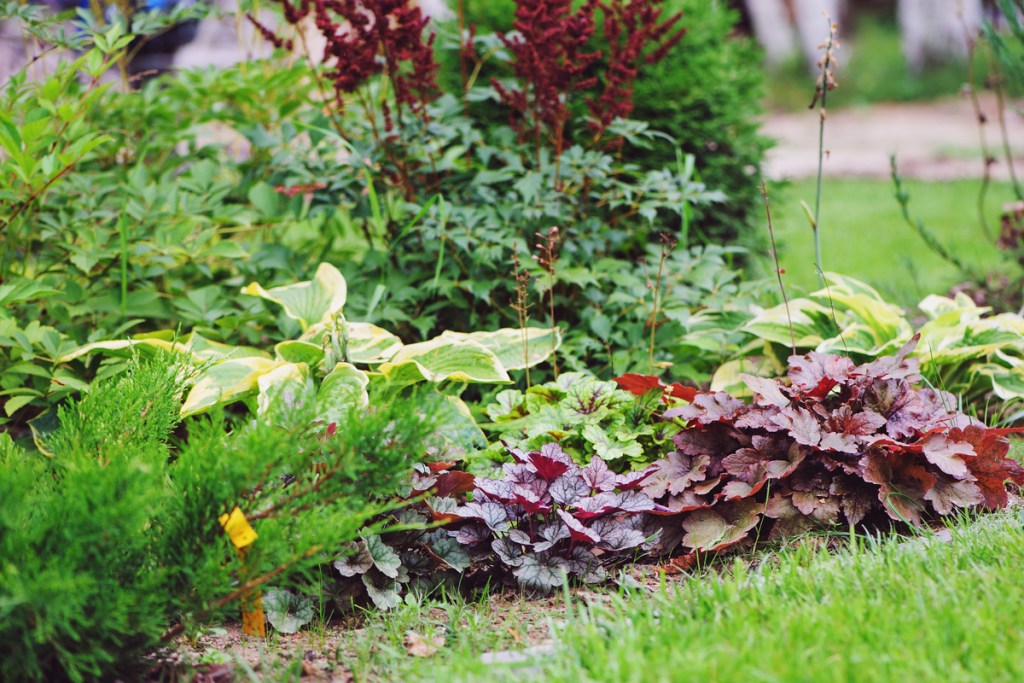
point(586, 416)
point(329, 349)
point(963, 348)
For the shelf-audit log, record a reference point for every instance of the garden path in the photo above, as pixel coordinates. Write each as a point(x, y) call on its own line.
point(936, 140)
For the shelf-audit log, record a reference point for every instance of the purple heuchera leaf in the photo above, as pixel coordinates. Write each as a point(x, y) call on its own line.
point(617, 533)
point(542, 571)
point(707, 408)
point(949, 494)
point(767, 392)
point(577, 531)
point(676, 473)
point(948, 455)
point(471, 534)
point(497, 489)
point(635, 479)
point(494, 515)
point(598, 475)
point(508, 551)
point(900, 366)
point(816, 373)
point(550, 462)
point(607, 502)
point(569, 488)
point(802, 425)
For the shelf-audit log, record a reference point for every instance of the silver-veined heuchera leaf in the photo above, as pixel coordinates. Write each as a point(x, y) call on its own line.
point(542, 572)
point(286, 611)
point(384, 558)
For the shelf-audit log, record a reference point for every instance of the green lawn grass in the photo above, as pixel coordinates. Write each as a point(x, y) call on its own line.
point(864, 234)
point(920, 610)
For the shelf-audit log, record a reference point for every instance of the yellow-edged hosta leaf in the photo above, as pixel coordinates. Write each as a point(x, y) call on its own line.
point(295, 351)
point(282, 388)
point(812, 324)
point(342, 390)
point(226, 381)
point(934, 306)
point(307, 302)
point(440, 359)
point(515, 348)
point(194, 344)
point(885, 321)
point(367, 343)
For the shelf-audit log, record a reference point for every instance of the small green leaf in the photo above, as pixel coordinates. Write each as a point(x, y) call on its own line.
point(286, 611)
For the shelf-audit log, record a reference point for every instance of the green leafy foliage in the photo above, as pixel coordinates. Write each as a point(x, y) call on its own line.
point(114, 539)
point(585, 417)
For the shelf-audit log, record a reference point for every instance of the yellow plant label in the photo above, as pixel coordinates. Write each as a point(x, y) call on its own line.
point(238, 528)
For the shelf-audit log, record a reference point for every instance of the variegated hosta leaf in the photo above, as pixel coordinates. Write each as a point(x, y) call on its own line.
point(516, 348)
point(444, 359)
point(194, 344)
point(295, 351)
point(307, 302)
point(1007, 383)
point(283, 388)
point(367, 343)
point(886, 321)
point(343, 389)
point(226, 381)
point(812, 324)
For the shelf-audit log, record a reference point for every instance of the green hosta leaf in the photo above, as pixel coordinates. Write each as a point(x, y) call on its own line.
point(515, 348)
point(282, 388)
point(384, 558)
point(367, 343)
point(226, 381)
point(308, 302)
point(343, 389)
point(444, 359)
point(295, 351)
point(286, 611)
point(1007, 383)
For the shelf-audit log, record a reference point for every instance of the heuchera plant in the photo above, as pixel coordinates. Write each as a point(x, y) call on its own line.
point(587, 417)
point(547, 518)
point(838, 443)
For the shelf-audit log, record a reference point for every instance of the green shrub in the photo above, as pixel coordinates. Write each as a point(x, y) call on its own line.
point(114, 539)
point(706, 94)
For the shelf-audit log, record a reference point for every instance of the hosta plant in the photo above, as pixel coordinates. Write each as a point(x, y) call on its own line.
point(546, 519)
point(321, 366)
point(962, 348)
point(838, 444)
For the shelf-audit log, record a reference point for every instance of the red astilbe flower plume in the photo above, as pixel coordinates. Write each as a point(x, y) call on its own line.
point(370, 37)
point(631, 28)
point(550, 59)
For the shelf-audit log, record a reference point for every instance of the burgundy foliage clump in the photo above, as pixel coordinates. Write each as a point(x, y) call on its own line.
point(550, 59)
point(635, 33)
point(548, 518)
point(836, 444)
point(369, 37)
